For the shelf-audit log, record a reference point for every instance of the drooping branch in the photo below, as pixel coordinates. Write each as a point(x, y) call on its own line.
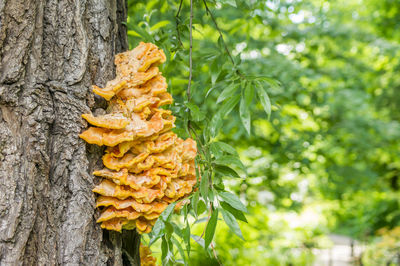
point(177, 22)
point(188, 92)
point(208, 11)
point(219, 31)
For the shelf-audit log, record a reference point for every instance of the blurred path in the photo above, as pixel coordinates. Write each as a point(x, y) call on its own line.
point(341, 254)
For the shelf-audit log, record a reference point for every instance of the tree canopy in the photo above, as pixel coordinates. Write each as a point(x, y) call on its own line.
point(295, 108)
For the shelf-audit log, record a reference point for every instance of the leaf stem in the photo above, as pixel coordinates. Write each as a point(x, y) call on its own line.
point(190, 51)
point(177, 22)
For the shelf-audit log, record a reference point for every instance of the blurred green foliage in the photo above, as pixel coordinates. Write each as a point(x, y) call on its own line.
point(385, 249)
point(327, 159)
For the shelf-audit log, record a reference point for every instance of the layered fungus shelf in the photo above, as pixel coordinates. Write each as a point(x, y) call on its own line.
point(147, 166)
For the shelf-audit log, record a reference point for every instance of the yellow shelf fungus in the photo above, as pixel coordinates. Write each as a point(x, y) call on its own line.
point(145, 256)
point(147, 165)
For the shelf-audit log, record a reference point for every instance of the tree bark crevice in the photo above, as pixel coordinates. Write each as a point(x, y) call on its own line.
point(51, 52)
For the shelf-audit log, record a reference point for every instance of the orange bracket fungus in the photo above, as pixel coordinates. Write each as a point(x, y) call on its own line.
point(147, 166)
point(145, 256)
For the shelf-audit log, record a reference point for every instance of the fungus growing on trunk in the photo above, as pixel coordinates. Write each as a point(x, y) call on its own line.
point(145, 256)
point(147, 165)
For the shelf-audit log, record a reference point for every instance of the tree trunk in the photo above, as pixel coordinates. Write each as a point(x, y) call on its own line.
point(51, 52)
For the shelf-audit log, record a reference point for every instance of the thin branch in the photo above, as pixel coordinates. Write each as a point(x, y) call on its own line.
point(204, 229)
point(177, 22)
point(208, 219)
point(190, 127)
point(219, 31)
point(190, 51)
point(208, 11)
point(215, 253)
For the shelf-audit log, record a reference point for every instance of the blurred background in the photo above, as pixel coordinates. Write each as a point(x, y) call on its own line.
point(323, 170)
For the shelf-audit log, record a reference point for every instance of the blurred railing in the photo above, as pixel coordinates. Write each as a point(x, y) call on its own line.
point(344, 252)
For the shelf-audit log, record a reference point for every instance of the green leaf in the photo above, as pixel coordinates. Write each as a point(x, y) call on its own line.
point(158, 231)
point(210, 229)
point(185, 210)
point(201, 207)
point(216, 86)
point(264, 99)
point(244, 113)
point(215, 70)
point(220, 43)
point(215, 124)
point(133, 33)
point(249, 93)
point(239, 215)
point(218, 182)
point(204, 186)
point(227, 92)
point(226, 171)
point(226, 108)
point(180, 249)
point(211, 194)
point(232, 200)
point(186, 237)
point(164, 250)
point(215, 150)
point(229, 2)
point(195, 112)
point(195, 201)
point(160, 24)
point(225, 147)
point(167, 212)
point(169, 229)
point(177, 230)
point(229, 160)
point(143, 33)
point(270, 81)
point(198, 240)
point(201, 220)
point(167, 251)
point(232, 223)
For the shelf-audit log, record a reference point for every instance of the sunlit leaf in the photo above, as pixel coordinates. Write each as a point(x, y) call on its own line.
point(160, 24)
point(215, 69)
point(229, 160)
point(157, 231)
point(226, 171)
point(249, 93)
point(232, 223)
point(264, 99)
point(195, 201)
point(133, 33)
point(166, 254)
point(245, 115)
point(232, 200)
point(167, 212)
point(210, 229)
point(196, 113)
point(227, 92)
point(239, 215)
point(225, 109)
point(186, 237)
point(180, 249)
point(229, 2)
point(201, 208)
point(204, 187)
point(198, 240)
point(225, 147)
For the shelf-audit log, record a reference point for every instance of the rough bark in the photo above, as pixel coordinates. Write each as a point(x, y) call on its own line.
point(51, 51)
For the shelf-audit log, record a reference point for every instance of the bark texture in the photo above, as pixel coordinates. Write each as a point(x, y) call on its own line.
point(51, 51)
